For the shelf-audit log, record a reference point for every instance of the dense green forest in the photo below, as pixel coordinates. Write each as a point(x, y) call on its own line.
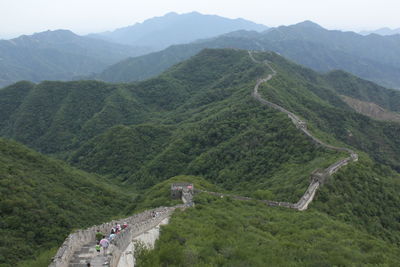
point(315, 98)
point(43, 199)
point(354, 220)
point(226, 232)
point(198, 122)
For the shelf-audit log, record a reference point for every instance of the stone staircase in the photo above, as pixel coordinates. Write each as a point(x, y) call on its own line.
point(88, 254)
point(79, 247)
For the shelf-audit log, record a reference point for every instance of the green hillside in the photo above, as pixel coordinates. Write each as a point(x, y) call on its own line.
point(315, 98)
point(204, 112)
point(55, 116)
point(42, 200)
point(216, 131)
point(226, 232)
point(349, 85)
point(198, 119)
point(354, 220)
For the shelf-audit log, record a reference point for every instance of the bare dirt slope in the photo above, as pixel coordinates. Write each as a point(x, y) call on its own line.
point(371, 109)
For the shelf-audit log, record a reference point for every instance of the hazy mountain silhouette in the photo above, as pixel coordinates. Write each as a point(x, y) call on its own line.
point(382, 31)
point(173, 28)
point(372, 57)
point(59, 54)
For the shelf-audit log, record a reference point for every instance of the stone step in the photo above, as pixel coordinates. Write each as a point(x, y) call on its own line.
point(88, 254)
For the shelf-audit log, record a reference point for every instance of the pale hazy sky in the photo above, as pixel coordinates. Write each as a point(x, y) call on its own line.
point(84, 16)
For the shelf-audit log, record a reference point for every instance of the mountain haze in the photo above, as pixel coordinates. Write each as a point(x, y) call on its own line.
point(57, 55)
point(305, 43)
point(172, 28)
point(382, 31)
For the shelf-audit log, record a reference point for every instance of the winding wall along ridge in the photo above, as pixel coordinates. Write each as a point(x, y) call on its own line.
point(144, 221)
point(317, 178)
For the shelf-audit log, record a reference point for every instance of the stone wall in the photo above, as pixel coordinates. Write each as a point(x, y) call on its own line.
point(317, 178)
point(137, 224)
point(147, 220)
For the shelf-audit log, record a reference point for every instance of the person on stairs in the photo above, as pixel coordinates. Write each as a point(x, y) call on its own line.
point(98, 247)
point(104, 243)
point(99, 235)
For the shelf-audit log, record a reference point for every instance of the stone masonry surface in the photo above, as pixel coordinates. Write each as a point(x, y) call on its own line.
point(137, 224)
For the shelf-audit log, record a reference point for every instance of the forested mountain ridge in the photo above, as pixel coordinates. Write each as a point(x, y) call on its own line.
point(186, 104)
point(43, 199)
point(199, 118)
point(57, 55)
point(306, 43)
point(172, 28)
point(189, 233)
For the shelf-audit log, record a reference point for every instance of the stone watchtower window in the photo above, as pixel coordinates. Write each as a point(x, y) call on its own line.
point(178, 188)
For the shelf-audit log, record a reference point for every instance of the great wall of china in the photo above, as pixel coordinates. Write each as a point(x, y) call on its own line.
point(317, 177)
point(74, 250)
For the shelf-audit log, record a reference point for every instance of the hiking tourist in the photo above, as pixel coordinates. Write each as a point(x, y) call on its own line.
point(99, 235)
point(104, 243)
point(97, 247)
point(111, 237)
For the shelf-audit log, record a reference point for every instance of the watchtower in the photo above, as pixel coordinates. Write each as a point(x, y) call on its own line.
point(318, 175)
point(177, 189)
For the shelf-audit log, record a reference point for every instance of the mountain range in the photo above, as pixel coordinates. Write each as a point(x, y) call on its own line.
point(79, 152)
point(160, 32)
point(63, 55)
point(382, 31)
point(130, 53)
point(198, 121)
point(371, 57)
point(57, 55)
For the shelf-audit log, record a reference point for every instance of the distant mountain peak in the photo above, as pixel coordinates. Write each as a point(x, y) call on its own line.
point(59, 32)
point(308, 24)
point(170, 14)
point(173, 28)
point(382, 31)
point(49, 35)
